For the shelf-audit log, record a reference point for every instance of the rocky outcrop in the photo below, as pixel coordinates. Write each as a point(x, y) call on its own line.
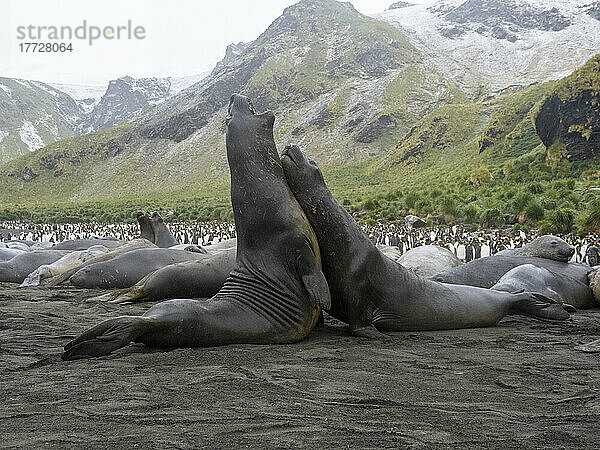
point(125, 99)
point(569, 120)
point(399, 5)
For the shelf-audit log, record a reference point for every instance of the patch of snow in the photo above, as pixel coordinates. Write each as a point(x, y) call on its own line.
point(45, 88)
point(48, 122)
point(22, 82)
point(81, 91)
point(6, 89)
point(178, 84)
point(30, 137)
point(472, 57)
point(3, 134)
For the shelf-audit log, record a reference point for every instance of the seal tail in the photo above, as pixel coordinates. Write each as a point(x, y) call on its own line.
point(537, 305)
point(106, 337)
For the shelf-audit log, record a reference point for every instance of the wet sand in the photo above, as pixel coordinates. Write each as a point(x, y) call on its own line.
point(518, 385)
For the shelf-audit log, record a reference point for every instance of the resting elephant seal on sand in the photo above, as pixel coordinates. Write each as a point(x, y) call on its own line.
point(427, 260)
point(274, 294)
point(16, 269)
point(559, 287)
point(547, 246)
point(485, 272)
point(192, 279)
point(84, 244)
point(6, 254)
point(369, 290)
point(125, 270)
point(126, 247)
point(69, 261)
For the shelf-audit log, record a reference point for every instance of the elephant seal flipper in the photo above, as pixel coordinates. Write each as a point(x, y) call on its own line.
point(106, 337)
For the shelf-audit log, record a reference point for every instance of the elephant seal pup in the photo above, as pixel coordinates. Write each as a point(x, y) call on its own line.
point(547, 246)
point(558, 287)
point(368, 289)
point(274, 294)
point(6, 254)
point(192, 279)
point(163, 237)
point(485, 272)
point(84, 244)
point(125, 270)
point(427, 260)
point(146, 231)
point(70, 260)
point(112, 253)
point(16, 269)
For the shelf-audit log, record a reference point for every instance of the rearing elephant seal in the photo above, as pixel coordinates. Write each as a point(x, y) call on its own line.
point(369, 289)
point(274, 292)
point(163, 237)
point(146, 231)
point(547, 246)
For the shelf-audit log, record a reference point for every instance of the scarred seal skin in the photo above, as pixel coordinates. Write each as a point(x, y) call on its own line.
point(372, 293)
point(275, 292)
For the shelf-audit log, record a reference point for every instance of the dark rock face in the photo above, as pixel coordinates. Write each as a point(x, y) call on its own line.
point(125, 99)
point(574, 122)
point(594, 10)
point(377, 60)
point(27, 174)
point(376, 128)
point(495, 15)
point(399, 5)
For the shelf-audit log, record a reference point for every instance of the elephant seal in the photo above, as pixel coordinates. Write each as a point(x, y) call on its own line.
point(84, 244)
point(146, 231)
point(427, 260)
point(17, 269)
point(129, 246)
point(189, 248)
point(6, 254)
point(391, 251)
point(17, 245)
point(125, 270)
point(163, 237)
point(223, 245)
point(69, 261)
point(192, 279)
point(274, 294)
point(485, 272)
point(372, 293)
point(594, 278)
point(558, 287)
point(547, 246)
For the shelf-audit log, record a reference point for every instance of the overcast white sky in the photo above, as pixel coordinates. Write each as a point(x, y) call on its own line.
point(184, 37)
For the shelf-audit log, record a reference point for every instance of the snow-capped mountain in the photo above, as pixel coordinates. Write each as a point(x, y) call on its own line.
point(489, 46)
point(34, 114)
point(126, 98)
